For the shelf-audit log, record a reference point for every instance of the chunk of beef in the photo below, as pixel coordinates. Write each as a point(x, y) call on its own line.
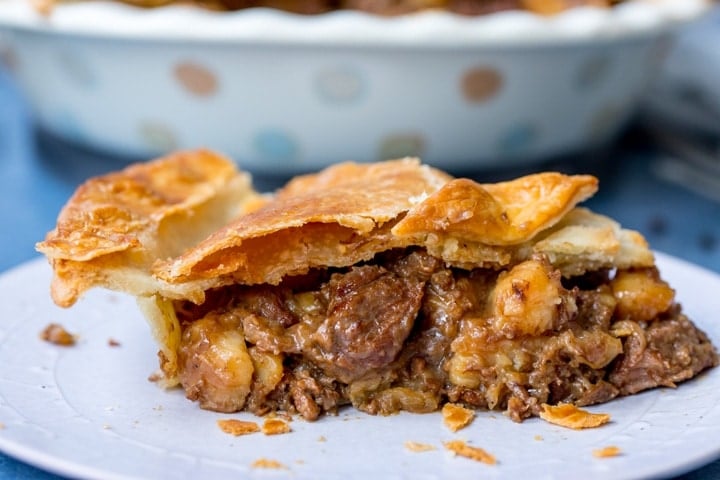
point(370, 314)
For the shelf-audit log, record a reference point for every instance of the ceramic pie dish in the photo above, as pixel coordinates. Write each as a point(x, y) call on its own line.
point(281, 92)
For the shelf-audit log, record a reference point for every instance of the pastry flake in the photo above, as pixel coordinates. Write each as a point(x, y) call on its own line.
point(462, 449)
point(418, 447)
point(236, 427)
point(57, 335)
point(607, 452)
point(275, 426)
point(456, 417)
point(268, 463)
point(570, 416)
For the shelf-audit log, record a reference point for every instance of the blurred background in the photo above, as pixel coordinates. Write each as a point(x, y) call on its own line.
point(644, 116)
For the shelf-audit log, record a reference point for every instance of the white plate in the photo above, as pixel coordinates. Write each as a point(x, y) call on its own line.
point(89, 411)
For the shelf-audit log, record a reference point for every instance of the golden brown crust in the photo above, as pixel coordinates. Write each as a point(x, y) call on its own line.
point(115, 226)
point(348, 213)
point(164, 227)
point(506, 213)
point(324, 219)
point(584, 241)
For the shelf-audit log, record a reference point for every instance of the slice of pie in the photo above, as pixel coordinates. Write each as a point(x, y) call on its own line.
point(388, 286)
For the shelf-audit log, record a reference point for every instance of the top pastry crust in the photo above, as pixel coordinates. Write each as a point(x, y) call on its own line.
point(191, 221)
point(335, 218)
point(116, 226)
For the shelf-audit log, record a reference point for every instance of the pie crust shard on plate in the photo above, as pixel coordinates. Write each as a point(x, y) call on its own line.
point(388, 286)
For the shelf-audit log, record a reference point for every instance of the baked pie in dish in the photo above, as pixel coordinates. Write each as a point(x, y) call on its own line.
point(376, 7)
point(387, 286)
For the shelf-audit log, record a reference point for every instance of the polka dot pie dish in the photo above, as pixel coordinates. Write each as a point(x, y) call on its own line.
point(286, 93)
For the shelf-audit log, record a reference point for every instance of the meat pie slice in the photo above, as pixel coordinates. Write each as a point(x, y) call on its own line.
point(388, 286)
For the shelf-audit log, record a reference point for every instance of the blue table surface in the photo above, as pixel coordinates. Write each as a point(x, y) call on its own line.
point(38, 174)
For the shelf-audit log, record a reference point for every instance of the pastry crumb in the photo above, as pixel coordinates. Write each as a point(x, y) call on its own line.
point(113, 343)
point(419, 447)
point(538, 438)
point(2, 426)
point(322, 438)
point(275, 426)
point(570, 416)
point(461, 448)
point(607, 452)
point(57, 335)
point(268, 463)
point(237, 427)
point(456, 416)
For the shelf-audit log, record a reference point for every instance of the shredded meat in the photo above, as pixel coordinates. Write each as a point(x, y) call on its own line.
point(665, 352)
point(405, 332)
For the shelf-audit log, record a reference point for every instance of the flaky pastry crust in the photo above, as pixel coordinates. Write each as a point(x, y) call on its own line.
point(116, 226)
point(191, 221)
point(348, 213)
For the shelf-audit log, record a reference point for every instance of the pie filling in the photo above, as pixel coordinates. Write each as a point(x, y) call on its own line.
point(406, 332)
